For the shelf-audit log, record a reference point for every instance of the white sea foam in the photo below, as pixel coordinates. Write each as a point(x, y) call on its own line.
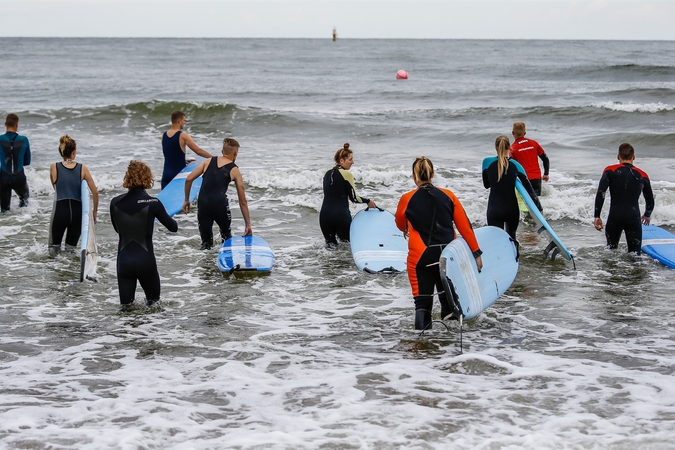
point(635, 107)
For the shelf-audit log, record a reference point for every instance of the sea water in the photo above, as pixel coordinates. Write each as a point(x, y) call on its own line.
point(318, 354)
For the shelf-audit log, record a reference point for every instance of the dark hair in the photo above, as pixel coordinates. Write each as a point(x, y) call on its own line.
point(176, 116)
point(423, 169)
point(11, 120)
point(343, 153)
point(138, 175)
point(626, 151)
point(67, 146)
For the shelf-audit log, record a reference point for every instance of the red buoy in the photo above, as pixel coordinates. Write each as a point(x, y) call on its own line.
point(401, 75)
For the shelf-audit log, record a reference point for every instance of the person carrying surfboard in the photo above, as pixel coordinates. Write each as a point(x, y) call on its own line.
point(625, 183)
point(212, 204)
point(174, 142)
point(14, 155)
point(338, 190)
point(499, 175)
point(133, 217)
point(525, 151)
point(426, 216)
point(66, 177)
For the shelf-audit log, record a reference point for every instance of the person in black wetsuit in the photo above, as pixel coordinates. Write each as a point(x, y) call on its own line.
point(625, 183)
point(133, 216)
point(173, 145)
point(338, 189)
point(66, 177)
point(499, 175)
point(212, 203)
point(14, 155)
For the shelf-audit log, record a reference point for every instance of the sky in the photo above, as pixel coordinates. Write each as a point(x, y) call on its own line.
point(416, 19)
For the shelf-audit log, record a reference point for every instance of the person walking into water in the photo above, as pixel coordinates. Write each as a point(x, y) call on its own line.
point(14, 155)
point(525, 151)
point(174, 142)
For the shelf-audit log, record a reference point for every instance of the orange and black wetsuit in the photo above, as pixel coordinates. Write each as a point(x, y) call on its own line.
point(335, 217)
point(428, 213)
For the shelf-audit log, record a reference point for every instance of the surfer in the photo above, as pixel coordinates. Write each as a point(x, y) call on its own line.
point(625, 182)
point(526, 151)
point(15, 155)
point(426, 216)
point(212, 204)
point(499, 175)
point(66, 177)
point(338, 189)
point(133, 217)
point(173, 145)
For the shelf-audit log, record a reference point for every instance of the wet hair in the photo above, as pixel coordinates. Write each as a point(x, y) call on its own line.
point(626, 151)
point(176, 116)
point(423, 169)
point(502, 145)
point(12, 120)
point(343, 153)
point(67, 146)
point(230, 144)
point(519, 129)
point(138, 175)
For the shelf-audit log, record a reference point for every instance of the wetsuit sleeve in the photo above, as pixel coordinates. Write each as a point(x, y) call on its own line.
point(349, 178)
point(165, 219)
point(649, 197)
point(112, 216)
point(26, 156)
point(528, 187)
point(602, 190)
point(486, 164)
point(546, 162)
point(400, 218)
point(463, 224)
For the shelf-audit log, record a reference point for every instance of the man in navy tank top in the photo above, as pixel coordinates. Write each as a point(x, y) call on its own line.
point(173, 145)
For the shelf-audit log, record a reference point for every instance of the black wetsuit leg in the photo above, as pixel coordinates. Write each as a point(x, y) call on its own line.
point(536, 186)
point(135, 264)
point(504, 220)
point(334, 225)
point(206, 215)
point(67, 216)
point(428, 279)
point(13, 182)
point(223, 217)
point(631, 228)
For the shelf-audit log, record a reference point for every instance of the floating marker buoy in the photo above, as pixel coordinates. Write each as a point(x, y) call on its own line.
point(401, 75)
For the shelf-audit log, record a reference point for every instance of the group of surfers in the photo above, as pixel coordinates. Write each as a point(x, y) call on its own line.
point(427, 215)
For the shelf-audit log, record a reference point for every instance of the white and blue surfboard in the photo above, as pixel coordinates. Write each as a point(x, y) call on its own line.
point(245, 254)
point(659, 244)
point(88, 252)
point(470, 292)
point(377, 245)
point(555, 245)
point(173, 195)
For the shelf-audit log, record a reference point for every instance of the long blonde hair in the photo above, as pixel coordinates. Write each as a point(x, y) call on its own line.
point(502, 145)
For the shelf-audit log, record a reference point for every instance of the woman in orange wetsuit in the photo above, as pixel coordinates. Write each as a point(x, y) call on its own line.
point(426, 216)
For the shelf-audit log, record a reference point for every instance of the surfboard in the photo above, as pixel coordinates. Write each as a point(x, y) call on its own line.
point(173, 195)
point(659, 244)
point(470, 292)
point(555, 245)
point(377, 245)
point(88, 253)
point(522, 206)
point(245, 254)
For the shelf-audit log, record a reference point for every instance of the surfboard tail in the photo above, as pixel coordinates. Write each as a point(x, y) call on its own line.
point(449, 293)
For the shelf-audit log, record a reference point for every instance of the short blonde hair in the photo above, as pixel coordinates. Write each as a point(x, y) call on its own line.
point(519, 129)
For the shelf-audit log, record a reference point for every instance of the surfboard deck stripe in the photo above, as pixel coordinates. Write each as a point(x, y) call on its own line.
point(245, 253)
point(659, 244)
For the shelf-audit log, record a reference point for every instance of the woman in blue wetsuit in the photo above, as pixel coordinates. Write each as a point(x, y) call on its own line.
point(66, 177)
point(499, 175)
point(338, 189)
point(133, 216)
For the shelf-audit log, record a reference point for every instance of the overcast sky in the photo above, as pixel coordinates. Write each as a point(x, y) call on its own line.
point(444, 19)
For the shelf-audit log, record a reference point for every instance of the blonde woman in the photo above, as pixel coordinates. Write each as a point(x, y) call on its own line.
point(499, 175)
point(66, 177)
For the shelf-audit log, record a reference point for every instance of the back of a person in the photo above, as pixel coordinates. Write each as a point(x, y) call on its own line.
point(526, 151)
point(215, 182)
point(502, 190)
point(134, 215)
point(174, 157)
point(625, 187)
point(335, 188)
point(68, 182)
point(430, 212)
point(13, 152)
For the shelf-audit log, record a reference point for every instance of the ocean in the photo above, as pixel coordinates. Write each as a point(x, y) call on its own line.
point(318, 354)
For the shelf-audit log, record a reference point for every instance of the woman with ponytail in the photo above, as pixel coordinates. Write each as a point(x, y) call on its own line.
point(426, 216)
point(66, 177)
point(499, 175)
point(338, 189)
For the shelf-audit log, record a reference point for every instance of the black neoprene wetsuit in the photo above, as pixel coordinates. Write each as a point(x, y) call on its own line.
point(335, 217)
point(67, 212)
point(213, 204)
point(133, 216)
point(174, 157)
point(502, 210)
point(625, 182)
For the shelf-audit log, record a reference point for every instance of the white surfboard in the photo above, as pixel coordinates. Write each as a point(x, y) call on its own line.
point(173, 195)
point(377, 245)
point(88, 251)
point(249, 254)
point(470, 292)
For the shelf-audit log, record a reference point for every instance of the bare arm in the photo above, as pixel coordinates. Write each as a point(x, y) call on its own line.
point(86, 175)
point(52, 174)
point(187, 139)
point(190, 179)
point(243, 204)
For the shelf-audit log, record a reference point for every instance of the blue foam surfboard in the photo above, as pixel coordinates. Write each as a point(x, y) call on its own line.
point(471, 292)
point(173, 195)
point(543, 227)
point(377, 245)
point(88, 252)
point(245, 254)
point(659, 244)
